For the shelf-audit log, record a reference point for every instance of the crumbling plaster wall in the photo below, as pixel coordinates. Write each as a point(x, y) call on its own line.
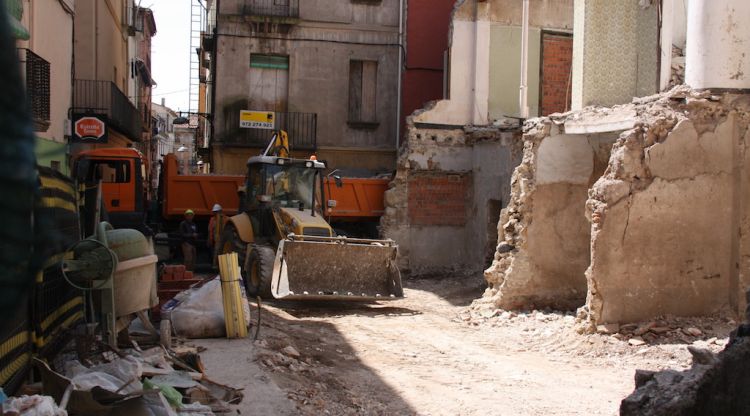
point(544, 249)
point(669, 214)
point(668, 220)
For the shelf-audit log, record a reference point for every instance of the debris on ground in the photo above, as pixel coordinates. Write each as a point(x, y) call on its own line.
point(717, 384)
point(155, 381)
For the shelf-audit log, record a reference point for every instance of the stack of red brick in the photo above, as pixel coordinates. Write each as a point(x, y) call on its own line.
point(175, 272)
point(173, 280)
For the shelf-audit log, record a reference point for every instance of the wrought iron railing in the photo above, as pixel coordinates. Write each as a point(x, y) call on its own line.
point(272, 8)
point(37, 71)
point(104, 97)
point(302, 129)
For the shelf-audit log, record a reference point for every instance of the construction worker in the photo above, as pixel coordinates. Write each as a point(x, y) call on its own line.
point(215, 230)
point(189, 234)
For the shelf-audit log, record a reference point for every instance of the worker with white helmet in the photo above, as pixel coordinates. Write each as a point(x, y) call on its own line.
point(215, 230)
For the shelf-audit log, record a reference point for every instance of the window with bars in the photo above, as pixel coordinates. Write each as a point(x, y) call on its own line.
point(37, 71)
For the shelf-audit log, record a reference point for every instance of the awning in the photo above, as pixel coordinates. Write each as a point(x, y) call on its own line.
point(15, 14)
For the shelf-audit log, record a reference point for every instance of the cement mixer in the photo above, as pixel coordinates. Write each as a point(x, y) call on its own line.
point(286, 248)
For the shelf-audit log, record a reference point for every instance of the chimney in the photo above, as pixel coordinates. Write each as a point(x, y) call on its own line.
point(163, 102)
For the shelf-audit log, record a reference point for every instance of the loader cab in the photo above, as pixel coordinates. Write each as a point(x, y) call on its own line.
point(284, 196)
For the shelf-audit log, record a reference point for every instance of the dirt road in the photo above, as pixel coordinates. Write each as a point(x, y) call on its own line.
point(425, 355)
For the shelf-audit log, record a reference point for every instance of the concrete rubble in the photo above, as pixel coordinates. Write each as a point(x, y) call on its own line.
point(716, 384)
point(631, 212)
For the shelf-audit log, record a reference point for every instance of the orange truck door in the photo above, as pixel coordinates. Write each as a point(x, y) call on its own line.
point(118, 183)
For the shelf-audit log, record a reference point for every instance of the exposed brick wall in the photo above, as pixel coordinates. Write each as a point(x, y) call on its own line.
point(557, 62)
point(438, 198)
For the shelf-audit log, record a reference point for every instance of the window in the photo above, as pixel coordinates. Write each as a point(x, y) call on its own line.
point(109, 172)
point(363, 81)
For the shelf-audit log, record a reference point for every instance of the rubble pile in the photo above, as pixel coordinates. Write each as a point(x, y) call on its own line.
point(156, 381)
point(716, 384)
point(661, 341)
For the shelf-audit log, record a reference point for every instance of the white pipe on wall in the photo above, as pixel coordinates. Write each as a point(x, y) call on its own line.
point(523, 106)
point(401, 52)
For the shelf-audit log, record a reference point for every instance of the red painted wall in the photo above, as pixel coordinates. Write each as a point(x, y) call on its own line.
point(427, 26)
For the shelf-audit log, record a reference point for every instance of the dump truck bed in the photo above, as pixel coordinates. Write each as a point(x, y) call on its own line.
point(197, 192)
point(356, 198)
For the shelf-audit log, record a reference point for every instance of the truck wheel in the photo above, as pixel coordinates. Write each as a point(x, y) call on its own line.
point(232, 243)
point(259, 268)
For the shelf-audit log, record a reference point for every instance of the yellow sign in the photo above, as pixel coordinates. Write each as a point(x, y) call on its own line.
point(257, 119)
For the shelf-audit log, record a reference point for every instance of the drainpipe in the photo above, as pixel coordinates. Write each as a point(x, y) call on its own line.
point(523, 90)
point(401, 51)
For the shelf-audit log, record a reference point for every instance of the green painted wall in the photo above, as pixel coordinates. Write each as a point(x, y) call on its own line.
point(48, 151)
point(505, 70)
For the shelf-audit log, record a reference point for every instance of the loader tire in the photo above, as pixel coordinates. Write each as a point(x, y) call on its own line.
point(232, 243)
point(259, 266)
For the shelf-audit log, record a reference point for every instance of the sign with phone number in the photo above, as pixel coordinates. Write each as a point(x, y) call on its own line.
point(257, 120)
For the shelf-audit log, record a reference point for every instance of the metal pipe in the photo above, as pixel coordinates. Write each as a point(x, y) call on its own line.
point(401, 52)
point(523, 93)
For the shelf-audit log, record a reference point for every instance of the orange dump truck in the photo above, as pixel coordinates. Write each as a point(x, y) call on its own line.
point(354, 207)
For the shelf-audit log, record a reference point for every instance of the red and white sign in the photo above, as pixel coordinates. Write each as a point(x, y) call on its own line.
point(90, 128)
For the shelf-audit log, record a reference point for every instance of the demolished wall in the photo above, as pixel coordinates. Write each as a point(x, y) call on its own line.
point(658, 233)
point(446, 184)
point(542, 258)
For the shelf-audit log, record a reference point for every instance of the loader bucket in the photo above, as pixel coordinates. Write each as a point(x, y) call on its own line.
point(336, 268)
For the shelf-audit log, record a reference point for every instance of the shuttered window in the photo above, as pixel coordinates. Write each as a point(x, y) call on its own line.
point(269, 61)
point(363, 81)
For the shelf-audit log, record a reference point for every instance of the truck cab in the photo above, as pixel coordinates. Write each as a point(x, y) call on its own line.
point(122, 172)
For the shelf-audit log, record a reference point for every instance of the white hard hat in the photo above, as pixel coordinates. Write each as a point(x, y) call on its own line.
point(217, 208)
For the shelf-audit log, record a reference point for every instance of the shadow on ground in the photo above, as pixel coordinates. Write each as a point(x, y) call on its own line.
point(456, 291)
point(327, 375)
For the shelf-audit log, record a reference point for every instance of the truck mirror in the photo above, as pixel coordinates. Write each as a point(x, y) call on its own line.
point(332, 203)
point(338, 181)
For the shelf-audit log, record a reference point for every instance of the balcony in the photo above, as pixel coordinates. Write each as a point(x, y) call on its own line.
point(103, 97)
point(37, 73)
point(272, 8)
point(302, 129)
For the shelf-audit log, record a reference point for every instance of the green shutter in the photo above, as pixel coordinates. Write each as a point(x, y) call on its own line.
point(269, 61)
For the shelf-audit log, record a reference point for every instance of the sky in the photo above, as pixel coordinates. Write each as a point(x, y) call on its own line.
point(170, 52)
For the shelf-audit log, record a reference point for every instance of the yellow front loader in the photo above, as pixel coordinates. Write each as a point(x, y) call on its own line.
point(287, 249)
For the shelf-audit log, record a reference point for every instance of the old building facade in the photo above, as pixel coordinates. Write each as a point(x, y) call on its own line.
point(328, 69)
point(454, 171)
point(46, 58)
point(106, 72)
